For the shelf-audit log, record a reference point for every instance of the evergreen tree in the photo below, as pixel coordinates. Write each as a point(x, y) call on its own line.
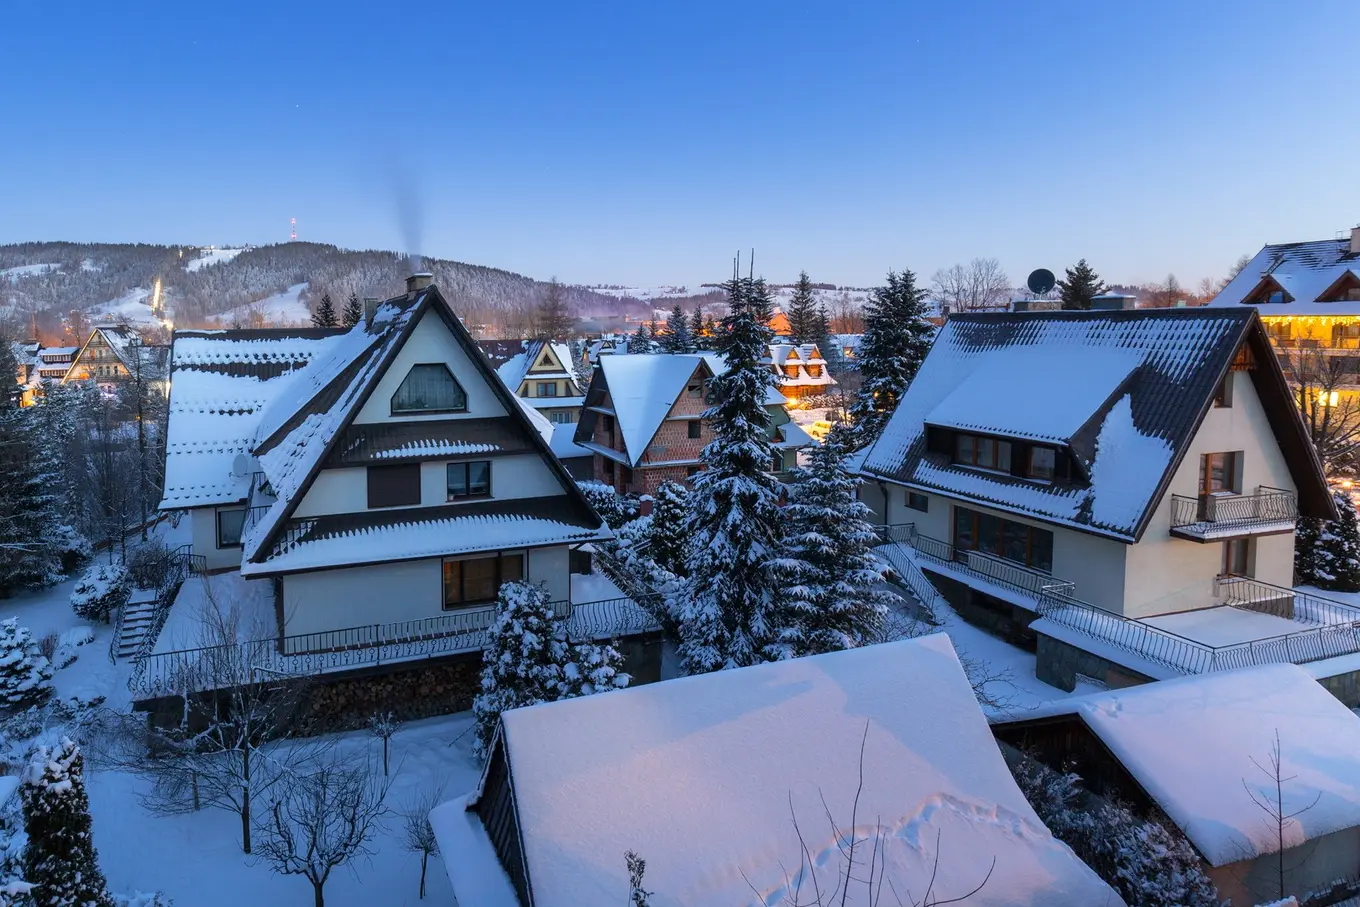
point(33, 530)
point(670, 527)
point(354, 311)
point(324, 316)
point(1080, 286)
point(9, 371)
point(641, 341)
point(677, 338)
point(25, 673)
point(1337, 552)
point(835, 601)
point(730, 614)
point(803, 326)
point(896, 339)
point(553, 319)
point(822, 337)
point(60, 861)
point(696, 329)
point(1307, 533)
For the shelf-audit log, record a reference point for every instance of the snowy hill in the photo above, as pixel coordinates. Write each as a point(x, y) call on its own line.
point(210, 255)
point(286, 309)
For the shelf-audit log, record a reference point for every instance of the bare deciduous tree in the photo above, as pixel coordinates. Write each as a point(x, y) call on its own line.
point(384, 726)
point(321, 821)
point(977, 286)
point(418, 835)
point(1271, 801)
point(1330, 409)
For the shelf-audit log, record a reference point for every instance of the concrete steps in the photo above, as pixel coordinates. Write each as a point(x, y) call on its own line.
point(138, 614)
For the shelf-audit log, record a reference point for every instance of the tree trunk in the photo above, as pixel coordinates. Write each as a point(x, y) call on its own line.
point(384, 757)
point(245, 801)
point(318, 896)
point(424, 858)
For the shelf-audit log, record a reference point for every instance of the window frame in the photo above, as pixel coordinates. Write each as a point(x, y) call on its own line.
point(1223, 398)
point(694, 430)
point(241, 509)
point(1004, 529)
point(1232, 460)
point(466, 466)
point(1230, 548)
point(545, 388)
point(391, 469)
point(1032, 470)
point(463, 603)
point(392, 401)
point(918, 502)
point(975, 445)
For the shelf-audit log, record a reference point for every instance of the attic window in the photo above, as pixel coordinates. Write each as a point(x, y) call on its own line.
point(984, 453)
point(429, 388)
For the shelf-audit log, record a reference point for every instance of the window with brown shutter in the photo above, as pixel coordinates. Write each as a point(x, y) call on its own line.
point(394, 486)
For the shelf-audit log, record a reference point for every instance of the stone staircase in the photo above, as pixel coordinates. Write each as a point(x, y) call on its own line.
point(138, 615)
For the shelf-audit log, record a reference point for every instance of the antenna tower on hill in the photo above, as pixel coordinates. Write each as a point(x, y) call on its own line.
point(293, 236)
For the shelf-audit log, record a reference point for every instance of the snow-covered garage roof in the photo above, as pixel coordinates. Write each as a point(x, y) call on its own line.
point(220, 382)
point(702, 777)
point(1125, 391)
point(1190, 743)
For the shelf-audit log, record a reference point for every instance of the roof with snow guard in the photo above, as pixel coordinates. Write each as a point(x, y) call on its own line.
point(299, 430)
point(1190, 742)
point(1315, 278)
point(220, 382)
point(1123, 391)
point(684, 773)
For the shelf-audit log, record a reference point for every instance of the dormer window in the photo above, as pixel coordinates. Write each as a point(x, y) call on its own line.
point(984, 453)
point(1042, 462)
point(429, 388)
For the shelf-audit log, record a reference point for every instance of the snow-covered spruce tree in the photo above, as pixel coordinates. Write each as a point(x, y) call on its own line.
point(836, 599)
point(523, 663)
point(730, 613)
point(25, 674)
point(641, 340)
point(803, 312)
point(669, 540)
point(696, 329)
point(677, 338)
point(1307, 533)
point(591, 668)
point(31, 513)
point(1337, 553)
point(60, 860)
point(1080, 285)
point(102, 589)
point(353, 313)
point(896, 340)
point(324, 316)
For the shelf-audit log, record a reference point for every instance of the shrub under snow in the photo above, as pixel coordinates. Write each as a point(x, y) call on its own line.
point(25, 673)
point(60, 860)
point(103, 588)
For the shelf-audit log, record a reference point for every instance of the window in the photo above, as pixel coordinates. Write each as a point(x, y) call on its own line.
point(469, 479)
point(547, 388)
point(691, 471)
point(1220, 472)
point(694, 390)
point(1346, 336)
point(917, 501)
point(1223, 395)
point(608, 424)
point(561, 418)
point(814, 371)
point(694, 429)
point(477, 580)
point(1237, 557)
point(1027, 545)
point(394, 486)
point(230, 520)
point(429, 389)
point(985, 453)
point(777, 462)
point(1042, 461)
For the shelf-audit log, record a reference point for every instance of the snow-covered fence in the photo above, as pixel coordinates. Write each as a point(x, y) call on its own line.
point(199, 670)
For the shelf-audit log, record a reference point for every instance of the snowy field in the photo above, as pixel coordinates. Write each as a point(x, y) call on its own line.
point(133, 307)
point(285, 309)
point(209, 256)
point(14, 274)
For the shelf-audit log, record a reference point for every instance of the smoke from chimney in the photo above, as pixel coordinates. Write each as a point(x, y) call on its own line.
point(410, 212)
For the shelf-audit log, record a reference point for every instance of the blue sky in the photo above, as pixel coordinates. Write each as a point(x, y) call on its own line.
point(647, 142)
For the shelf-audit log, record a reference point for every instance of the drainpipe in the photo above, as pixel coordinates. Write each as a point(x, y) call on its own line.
point(883, 489)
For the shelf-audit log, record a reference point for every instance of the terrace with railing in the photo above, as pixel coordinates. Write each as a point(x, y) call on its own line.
point(1215, 517)
point(1297, 627)
point(202, 669)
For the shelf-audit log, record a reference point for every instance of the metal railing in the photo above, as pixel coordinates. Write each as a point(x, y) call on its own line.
point(182, 563)
point(979, 564)
point(1210, 511)
point(1291, 604)
point(1162, 647)
point(204, 669)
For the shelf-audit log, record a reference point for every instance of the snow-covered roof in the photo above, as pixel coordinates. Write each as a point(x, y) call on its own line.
point(55, 353)
point(642, 390)
point(514, 368)
point(791, 435)
point(220, 382)
point(1190, 743)
point(1125, 391)
point(702, 777)
point(1304, 270)
point(541, 423)
point(564, 443)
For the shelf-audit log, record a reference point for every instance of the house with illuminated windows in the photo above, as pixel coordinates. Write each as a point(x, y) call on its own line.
point(1116, 491)
point(367, 490)
point(800, 370)
point(115, 354)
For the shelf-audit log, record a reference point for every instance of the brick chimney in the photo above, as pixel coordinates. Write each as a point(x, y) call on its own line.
point(1355, 240)
point(370, 309)
point(417, 282)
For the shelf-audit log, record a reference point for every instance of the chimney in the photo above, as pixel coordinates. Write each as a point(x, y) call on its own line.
point(1355, 240)
point(417, 282)
point(370, 309)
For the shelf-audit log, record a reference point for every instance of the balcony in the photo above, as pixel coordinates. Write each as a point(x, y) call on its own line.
point(1218, 517)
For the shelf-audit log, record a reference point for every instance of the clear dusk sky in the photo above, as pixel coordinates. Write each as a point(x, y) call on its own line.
point(644, 142)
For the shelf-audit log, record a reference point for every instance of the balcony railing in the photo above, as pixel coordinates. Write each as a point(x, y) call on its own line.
point(1219, 516)
point(1291, 604)
point(215, 667)
point(977, 564)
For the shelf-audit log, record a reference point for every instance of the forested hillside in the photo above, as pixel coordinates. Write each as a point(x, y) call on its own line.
point(49, 280)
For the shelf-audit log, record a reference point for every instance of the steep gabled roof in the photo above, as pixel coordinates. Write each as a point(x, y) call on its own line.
point(1125, 390)
point(513, 360)
point(220, 383)
point(1304, 270)
point(642, 389)
point(300, 428)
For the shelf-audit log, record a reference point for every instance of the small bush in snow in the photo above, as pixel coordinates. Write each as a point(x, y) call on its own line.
point(149, 564)
point(48, 645)
point(142, 899)
point(103, 588)
point(25, 674)
point(60, 860)
point(615, 509)
point(75, 548)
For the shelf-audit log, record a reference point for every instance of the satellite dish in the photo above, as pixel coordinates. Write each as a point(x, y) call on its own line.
point(1041, 281)
point(240, 466)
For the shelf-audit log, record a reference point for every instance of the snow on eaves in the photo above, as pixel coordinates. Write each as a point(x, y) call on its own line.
point(1305, 270)
point(682, 773)
point(1190, 743)
point(642, 389)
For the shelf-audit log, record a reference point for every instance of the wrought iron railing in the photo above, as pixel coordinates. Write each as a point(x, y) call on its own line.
point(203, 669)
point(1152, 643)
point(181, 564)
point(978, 564)
point(910, 575)
point(1267, 505)
point(1291, 604)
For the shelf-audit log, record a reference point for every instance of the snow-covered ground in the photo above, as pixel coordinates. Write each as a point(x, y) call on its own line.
point(1224, 626)
point(27, 270)
point(211, 256)
point(285, 309)
point(133, 307)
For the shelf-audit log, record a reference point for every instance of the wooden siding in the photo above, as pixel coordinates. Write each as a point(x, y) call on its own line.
point(496, 808)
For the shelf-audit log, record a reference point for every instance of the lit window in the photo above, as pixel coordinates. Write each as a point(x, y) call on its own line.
point(1328, 398)
point(429, 389)
point(477, 580)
